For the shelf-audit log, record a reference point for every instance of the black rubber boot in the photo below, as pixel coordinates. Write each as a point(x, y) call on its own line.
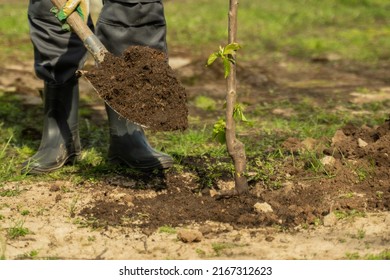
point(60, 142)
point(129, 145)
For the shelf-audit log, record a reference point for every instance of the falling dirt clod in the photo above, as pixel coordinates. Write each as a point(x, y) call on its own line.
point(142, 87)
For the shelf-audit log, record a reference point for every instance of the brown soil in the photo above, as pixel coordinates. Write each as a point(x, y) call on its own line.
point(142, 87)
point(179, 201)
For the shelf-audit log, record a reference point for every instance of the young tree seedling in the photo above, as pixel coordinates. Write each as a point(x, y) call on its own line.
point(227, 128)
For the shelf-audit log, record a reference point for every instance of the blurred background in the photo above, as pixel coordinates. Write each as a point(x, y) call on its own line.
point(336, 29)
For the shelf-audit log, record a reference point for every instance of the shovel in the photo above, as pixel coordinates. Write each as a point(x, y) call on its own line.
point(168, 111)
point(90, 40)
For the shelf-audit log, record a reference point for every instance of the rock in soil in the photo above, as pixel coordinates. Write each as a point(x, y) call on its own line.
point(189, 236)
point(142, 87)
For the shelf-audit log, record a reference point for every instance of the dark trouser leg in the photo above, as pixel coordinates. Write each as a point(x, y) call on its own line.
point(121, 25)
point(57, 56)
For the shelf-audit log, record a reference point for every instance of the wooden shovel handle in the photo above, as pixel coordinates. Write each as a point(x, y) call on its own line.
point(91, 42)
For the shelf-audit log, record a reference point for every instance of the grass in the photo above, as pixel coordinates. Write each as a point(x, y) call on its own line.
point(14, 32)
point(10, 193)
point(73, 206)
point(32, 255)
point(205, 103)
point(360, 234)
point(167, 229)
point(18, 230)
point(357, 30)
point(193, 142)
point(201, 253)
point(384, 255)
point(269, 131)
point(348, 214)
point(220, 247)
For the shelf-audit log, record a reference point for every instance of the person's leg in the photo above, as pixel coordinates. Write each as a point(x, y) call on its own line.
point(119, 26)
point(57, 56)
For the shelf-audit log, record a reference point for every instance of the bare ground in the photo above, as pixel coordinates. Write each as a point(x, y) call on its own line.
point(338, 215)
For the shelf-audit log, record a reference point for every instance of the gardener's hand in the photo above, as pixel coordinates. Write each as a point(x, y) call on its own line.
point(80, 6)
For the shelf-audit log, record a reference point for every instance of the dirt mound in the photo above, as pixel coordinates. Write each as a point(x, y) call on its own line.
point(141, 87)
point(366, 143)
point(355, 180)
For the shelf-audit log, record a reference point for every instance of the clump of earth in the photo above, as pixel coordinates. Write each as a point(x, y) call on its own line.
point(142, 87)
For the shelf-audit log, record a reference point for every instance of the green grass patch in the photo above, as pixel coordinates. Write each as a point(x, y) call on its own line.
point(193, 142)
point(309, 120)
point(10, 193)
point(355, 30)
point(18, 230)
point(14, 31)
point(167, 229)
point(220, 247)
point(348, 214)
point(32, 255)
point(205, 103)
point(352, 256)
point(385, 255)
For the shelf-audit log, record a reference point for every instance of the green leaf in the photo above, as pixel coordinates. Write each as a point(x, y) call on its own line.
point(212, 58)
point(226, 54)
point(219, 131)
point(226, 65)
point(231, 49)
point(238, 113)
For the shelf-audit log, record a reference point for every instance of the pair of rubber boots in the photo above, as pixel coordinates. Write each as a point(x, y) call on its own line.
point(60, 142)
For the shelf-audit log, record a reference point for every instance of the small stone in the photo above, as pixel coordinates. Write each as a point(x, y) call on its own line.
point(330, 220)
point(284, 240)
point(58, 198)
point(213, 193)
point(269, 238)
point(362, 143)
point(328, 160)
point(288, 186)
point(263, 207)
point(339, 137)
point(189, 236)
point(54, 188)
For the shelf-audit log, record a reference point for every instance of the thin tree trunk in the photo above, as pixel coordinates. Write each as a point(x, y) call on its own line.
point(235, 148)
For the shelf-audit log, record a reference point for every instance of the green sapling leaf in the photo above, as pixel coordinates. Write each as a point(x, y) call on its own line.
point(212, 58)
point(231, 49)
point(238, 113)
point(219, 131)
point(226, 65)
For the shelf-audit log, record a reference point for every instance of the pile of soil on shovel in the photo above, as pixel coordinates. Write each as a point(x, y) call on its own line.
point(142, 87)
